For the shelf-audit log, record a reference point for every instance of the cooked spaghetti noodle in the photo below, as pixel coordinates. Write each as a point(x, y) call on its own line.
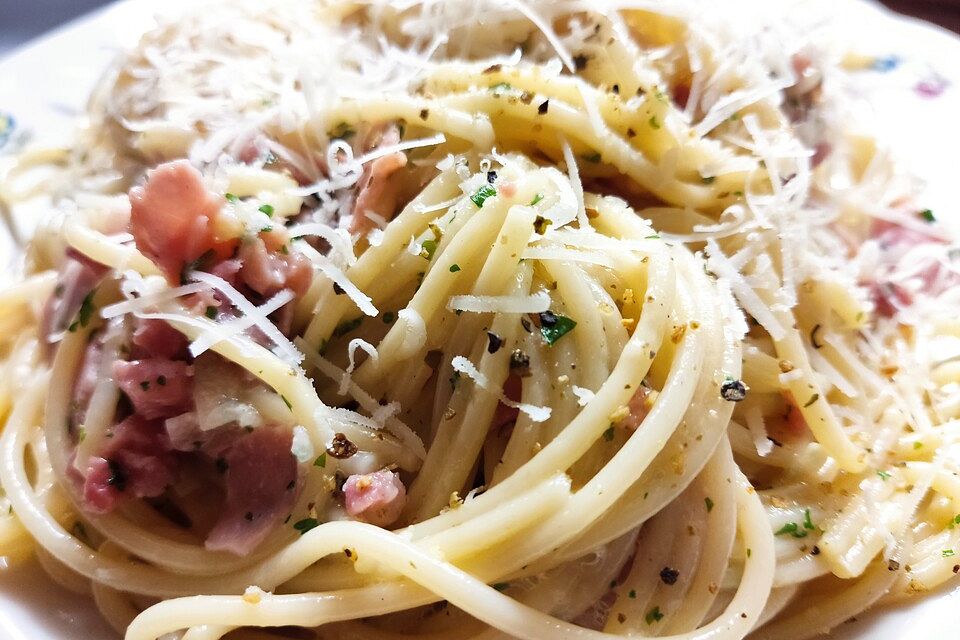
point(477, 320)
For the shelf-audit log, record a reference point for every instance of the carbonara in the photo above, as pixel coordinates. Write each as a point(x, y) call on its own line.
point(475, 319)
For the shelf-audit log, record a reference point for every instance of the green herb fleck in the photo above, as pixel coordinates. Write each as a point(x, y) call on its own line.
point(429, 247)
point(321, 461)
point(917, 445)
point(266, 209)
point(807, 522)
point(346, 327)
point(654, 615)
point(482, 194)
point(500, 87)
point(592, 157)
point(707, 501)
point(389, 317)
point(211, 312)
point(559, 327)
point(343, 131)
point(883, 475)
point(286, 402)
point(654, 123)
point(927, 215)
point(708, 180)
point(608, 434)
point(454, 268)
point(536, 199)
point(231, 197)
point(812, 399)
point(500, 586)
point(793, 529)
point(947, 553)
point(306, 525)
point(632, 594)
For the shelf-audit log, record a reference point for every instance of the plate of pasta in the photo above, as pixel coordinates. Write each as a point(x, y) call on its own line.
point(457, 319)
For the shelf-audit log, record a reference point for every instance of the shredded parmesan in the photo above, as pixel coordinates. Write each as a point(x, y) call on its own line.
point(537, 414)
point(536, 303)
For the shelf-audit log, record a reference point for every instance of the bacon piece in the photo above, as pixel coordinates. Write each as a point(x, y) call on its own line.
point(157, 339)
point(268, 272)
point(896, 241)
point(157, 388)
point(78, 276)
point(135, 462)
point(380, 184)
point(172, 219)
point(505, 416)
point(261, 479)
point(377, 498)
point(638, 409)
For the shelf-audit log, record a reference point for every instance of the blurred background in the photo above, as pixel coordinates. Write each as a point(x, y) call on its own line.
point(21, 20)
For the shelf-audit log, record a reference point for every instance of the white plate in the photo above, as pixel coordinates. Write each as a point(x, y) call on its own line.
point(45, 86)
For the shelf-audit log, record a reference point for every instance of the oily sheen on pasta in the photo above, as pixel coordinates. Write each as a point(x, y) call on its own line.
point(478, 320)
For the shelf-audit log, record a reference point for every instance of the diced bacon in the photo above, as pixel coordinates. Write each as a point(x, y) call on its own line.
point(157, 388)
point(380, 184)
point(86, 380)
point(157, 339)
point(172, 219)
point(77, 278)
point(896, 241)
point(261, 479)
point(681, 94)
point(377, 498)
point(638, 409)
point(136, 462)
point(269, 272)
point(505, 416)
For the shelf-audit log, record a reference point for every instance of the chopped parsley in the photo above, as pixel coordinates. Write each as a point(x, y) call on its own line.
point(807, 522)
point(707, 501)
point(654, 615)
point(592, 157)
point(454, 268)
point(947, 553)
point(536, 199)
point(608, 434)
point(346, 327)
point(266, 209)
point(286, 402)
point(501, 87)
point(927, 215)
point(429, 247)
point(793, 529)
point(812, 399)
point(231, 197)
point(553, 326)
point(343, 131)
point(321, 460)
point(501, 586)
point(954, 522)
point(883, 475)
point(389, 317)
point(86, 312)
point(211, 312)
point(654, 123)
point(481, 195)
point(306, 525)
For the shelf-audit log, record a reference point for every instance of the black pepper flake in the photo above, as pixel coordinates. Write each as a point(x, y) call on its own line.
point(340, 447)
point(616, 89)
point(580, 62)
point(815, 551)
point(733, 391)
point(669, 576)
point(544, 107)
point(494, 68)
point(162, 380)
point(222, 465)
point(519, 360)
point(424, 114)
point(527, 326)
point(248, 516)
point(118, 477)
point(893, 565)
point(337, 289)
point(494, 342)
point(491, 176)
point(548, 319)
point(631, 133)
